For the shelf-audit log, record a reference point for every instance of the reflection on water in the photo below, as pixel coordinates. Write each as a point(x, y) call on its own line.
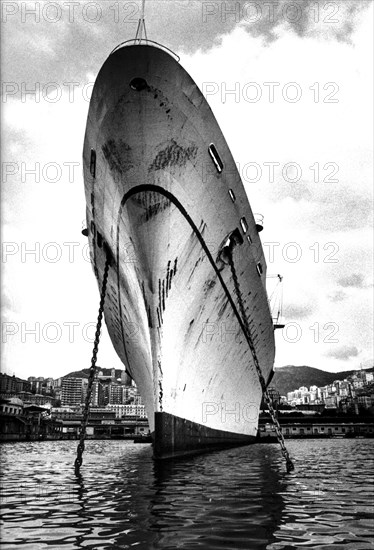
point(239, 498)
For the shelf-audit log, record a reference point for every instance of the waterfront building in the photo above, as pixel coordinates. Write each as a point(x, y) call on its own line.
point(13, 406)
point(73, 391)
point(299, 397)
point(58, 393)
point(63, 412)
point(138, 400)
point(357, 382)
point(110, 375)
point(12, 384)
point(34, 398)
point(96, 400)
point(116, 394)
point(274, 396)
point(107, 390)
point(84, 389)
point(331, 402)
point(331, 429)
point(102, 414)
point(313, 394)
point(122, 411)
point(364, 401)
point(49, 385)
point(129, 393)
point(36, 383)
point(343, 388)
point(105, 395)
point(7, 383)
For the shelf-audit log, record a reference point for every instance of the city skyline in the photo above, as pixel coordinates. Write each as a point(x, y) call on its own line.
point(368, 365)
point(108, 389)
point(121, 396)
point(125, 379)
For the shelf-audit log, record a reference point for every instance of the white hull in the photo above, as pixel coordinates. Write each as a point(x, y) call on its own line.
point(157, 200)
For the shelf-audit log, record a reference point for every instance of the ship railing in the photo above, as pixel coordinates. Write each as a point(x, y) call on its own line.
point(145, 42)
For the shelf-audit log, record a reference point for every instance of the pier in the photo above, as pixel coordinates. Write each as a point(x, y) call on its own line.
point(35, 425)
point(309, 427)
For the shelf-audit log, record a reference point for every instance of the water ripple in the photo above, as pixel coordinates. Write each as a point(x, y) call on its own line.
point(236, 499)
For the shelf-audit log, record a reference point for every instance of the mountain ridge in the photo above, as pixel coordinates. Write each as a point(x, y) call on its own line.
point(292, 377)
point(286, 379)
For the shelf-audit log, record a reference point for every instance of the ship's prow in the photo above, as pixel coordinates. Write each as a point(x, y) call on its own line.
point(164, 195)
point(175, 437)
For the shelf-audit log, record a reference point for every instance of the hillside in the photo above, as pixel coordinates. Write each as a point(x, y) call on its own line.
point(77, 374)
point(285, 379)
point(85, 372)
point(291, 378)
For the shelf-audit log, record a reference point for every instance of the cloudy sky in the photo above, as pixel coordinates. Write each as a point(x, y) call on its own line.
point(290, 84)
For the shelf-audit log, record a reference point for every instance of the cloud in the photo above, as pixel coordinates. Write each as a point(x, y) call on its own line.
point(285, 189)
point(345, 210)
point(298, 311)
point(334, 21)
point(7, 305)
point(343, 352)
point(337, 296)
point(368, 363)
point(81, 36)
point(338, 208)
point(355, 280)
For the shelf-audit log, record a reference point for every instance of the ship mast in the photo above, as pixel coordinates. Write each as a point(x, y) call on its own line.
point(141, 26)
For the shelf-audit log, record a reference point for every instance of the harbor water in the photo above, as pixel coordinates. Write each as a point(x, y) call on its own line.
point(233, 499)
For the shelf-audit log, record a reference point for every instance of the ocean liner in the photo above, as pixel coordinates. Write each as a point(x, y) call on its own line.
point(165, 201)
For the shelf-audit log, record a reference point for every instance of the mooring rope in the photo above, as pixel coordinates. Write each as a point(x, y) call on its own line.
point(289, 464)
point(91, 378)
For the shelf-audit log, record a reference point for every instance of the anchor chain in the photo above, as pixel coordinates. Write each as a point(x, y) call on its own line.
point(289, 464)
point(91, 378)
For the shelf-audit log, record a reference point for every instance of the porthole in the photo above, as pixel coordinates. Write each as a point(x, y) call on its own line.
point(232, 195)
point(93, 163)
point(138, 84)
point(215, 158)
point(243, 223)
